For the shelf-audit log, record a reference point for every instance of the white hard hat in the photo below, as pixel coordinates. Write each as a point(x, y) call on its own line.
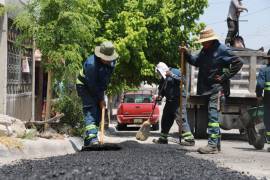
point(162, 68)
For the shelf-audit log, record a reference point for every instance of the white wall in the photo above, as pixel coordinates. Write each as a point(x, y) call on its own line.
point(3, 63)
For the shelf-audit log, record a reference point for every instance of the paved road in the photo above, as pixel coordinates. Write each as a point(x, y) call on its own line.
point(145, 160)
point(134, 161)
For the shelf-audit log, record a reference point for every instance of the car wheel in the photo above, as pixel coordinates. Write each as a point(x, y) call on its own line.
point(155, 127)
point(121, 127)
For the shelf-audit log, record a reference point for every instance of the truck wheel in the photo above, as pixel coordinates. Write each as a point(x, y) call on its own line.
point(201, 122)
point(155, 127)
point(255, 138)
point(121, 127)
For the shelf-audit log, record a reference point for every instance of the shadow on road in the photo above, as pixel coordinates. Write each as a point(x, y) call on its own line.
point(250, 149)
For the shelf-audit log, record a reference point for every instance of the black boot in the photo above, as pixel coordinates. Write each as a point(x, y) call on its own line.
point(160, 141)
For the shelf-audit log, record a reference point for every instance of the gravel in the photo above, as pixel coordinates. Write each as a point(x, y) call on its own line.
point(134, 161)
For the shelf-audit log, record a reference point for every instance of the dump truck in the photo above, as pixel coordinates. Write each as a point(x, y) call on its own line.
point(234, 109)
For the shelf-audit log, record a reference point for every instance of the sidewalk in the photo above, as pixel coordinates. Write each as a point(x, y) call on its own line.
point(40, 148)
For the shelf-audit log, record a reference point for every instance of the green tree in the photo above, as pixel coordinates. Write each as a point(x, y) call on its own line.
point(64, 31)
point(146, 32)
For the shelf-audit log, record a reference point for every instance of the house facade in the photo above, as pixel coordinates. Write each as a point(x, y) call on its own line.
point(16, 68)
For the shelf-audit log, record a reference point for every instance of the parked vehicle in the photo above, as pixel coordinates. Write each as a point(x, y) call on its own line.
point(135, 108)
point(235, 108)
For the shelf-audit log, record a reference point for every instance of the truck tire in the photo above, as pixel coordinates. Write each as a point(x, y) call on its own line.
point(256, 138)
point(155, 127)
point(121, 127)
point(201, 122)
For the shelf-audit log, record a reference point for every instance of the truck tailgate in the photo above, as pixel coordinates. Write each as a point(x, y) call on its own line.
point(141, 109)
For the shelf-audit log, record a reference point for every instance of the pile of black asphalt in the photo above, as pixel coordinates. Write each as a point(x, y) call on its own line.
point(133, 161)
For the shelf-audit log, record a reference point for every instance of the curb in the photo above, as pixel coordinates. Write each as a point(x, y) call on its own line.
point(40, 148)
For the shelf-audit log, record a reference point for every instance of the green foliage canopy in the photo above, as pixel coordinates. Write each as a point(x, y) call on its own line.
point(144, 31)
point(64, 31)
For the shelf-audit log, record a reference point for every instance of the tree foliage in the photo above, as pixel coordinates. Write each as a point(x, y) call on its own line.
point(64, 31)
point(144, 31)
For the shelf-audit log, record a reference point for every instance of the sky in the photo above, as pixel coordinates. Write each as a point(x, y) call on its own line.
point(254, 25)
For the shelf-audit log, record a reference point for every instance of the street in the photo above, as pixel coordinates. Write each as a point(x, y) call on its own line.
point(145, 160)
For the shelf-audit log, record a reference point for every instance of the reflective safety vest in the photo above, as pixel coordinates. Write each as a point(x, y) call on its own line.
point(267, 86)
point(80, 79)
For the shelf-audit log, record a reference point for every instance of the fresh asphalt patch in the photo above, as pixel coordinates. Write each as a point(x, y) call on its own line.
point(133, 161)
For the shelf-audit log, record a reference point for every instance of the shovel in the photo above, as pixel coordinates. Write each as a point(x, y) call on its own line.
point(102, 146)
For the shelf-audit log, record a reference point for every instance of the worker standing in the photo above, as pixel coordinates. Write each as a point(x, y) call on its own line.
point(263, 87)
point(169, 87)
point(235, 9)
point(217, 64)
point(91, 85)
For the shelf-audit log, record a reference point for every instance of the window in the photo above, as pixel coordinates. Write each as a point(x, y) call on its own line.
point(138, 98)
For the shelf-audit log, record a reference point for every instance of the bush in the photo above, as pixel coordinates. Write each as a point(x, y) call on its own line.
point(70, 105)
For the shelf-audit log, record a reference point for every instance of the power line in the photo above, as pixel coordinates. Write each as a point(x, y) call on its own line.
point(258, 11)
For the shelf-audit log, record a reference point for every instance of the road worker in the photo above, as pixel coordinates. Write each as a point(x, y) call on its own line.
point(217, 64)
point(91, 85)
point(235, 9)
point(169, 87)
point(263, 94)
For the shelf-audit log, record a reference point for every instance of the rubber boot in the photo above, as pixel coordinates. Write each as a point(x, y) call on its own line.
point(209, 149)
point(160, 141)
point(91, 141)
point(188, 142)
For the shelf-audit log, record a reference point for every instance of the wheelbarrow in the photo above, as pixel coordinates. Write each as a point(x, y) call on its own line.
point(256, 127)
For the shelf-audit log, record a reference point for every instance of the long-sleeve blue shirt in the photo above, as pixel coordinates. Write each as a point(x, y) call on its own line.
point(96, 76)
point(171, 88)
point(214, 61)
point(263, 80)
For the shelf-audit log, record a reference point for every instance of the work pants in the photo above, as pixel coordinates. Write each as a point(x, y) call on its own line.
point(232, 31)
point(170, 111)
point(267, 114)
point(213, 119)
point(91, 112)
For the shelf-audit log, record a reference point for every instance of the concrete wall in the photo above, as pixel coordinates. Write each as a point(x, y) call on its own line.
point(3, 62)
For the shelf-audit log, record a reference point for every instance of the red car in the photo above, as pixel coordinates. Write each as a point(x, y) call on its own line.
point(136, 107)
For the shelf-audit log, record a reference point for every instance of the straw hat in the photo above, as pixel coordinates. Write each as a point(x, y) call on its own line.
point(207, 34)
point(106, 51)
point(162, 68)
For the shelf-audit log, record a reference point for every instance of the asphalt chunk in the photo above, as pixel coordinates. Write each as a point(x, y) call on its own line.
point(133, 161)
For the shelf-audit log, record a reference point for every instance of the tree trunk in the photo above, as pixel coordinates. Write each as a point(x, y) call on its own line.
point(48, 98)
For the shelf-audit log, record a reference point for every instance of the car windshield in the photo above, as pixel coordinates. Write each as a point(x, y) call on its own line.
point(137, 98)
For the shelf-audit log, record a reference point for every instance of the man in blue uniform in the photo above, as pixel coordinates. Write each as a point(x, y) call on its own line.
point(91, 85)
point(263, 87)
point(217, 64)
point(169, 87)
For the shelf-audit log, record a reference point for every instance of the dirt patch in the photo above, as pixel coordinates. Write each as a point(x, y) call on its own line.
point(11, 142)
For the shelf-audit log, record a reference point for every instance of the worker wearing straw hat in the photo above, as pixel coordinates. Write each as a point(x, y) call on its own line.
point(217, 64)
point(91, 85)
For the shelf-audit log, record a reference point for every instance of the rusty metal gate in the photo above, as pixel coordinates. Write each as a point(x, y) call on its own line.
point(19, 75)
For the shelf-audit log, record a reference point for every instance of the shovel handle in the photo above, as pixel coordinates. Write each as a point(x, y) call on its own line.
point(102, 125)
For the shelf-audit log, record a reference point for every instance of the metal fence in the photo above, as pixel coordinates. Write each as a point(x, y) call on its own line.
point(19, 75)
